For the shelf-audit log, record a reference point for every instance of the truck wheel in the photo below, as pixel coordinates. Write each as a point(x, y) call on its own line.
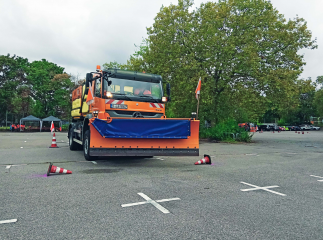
point(86, 146)
point(73, 145)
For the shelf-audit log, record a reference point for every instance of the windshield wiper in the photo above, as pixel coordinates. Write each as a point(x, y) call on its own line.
point(123, 95)
point(155, 100)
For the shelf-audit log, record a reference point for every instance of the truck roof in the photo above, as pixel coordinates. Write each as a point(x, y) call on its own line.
point(134, 75)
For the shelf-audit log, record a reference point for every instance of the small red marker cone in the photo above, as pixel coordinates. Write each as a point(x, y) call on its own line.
point(54, 145)
point(299, 132)
point(205, 160)
point(54, 169)
point(302, 132)
point(295, 131)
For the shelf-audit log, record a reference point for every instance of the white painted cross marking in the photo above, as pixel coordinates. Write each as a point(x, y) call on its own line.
point(94, 162)
point(8, 221)
point(317, 177)
point(8, 168)
point(153, 202)
point(261, 188)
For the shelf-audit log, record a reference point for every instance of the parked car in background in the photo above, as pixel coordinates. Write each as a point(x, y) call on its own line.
point(281, 128)
point(315, 128)
point(263, 128)
point(294, 128)
point(304, 127)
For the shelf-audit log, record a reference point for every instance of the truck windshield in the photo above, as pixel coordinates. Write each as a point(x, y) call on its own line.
point(135, 88)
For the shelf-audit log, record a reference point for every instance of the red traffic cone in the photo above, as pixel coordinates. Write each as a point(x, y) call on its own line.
point(205, 160)
point(54, 145)
point(262, 131)
point(295, 131)
point(299, 132)
point(302, 132)
point(54, 169)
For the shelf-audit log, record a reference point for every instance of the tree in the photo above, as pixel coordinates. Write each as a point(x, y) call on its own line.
point(50, 88)
point(244, 51)
point(13, 72)
point(318, 98)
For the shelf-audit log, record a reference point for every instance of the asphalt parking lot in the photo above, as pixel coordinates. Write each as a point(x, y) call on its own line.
point(268, 189)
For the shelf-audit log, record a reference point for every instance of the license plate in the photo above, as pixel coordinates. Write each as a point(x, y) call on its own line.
point(120, 106)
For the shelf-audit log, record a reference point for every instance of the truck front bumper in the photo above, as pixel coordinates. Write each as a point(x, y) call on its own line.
point(143, 152)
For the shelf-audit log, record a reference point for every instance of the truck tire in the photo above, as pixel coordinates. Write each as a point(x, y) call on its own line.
point(86, 147)
point(73, 145)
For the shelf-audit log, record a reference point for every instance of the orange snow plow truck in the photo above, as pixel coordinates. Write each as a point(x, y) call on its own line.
point(122, 113)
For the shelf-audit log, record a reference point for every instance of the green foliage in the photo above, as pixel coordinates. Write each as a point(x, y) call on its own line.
point(223, 132)
point(114, 64)
point(13, 71)
point(244, 51)
point(318, 102)
point(40, 88)
point(51, 89)
point(65, 127)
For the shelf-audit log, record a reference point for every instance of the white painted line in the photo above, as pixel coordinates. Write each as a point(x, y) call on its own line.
point(257, 188)
point(161, 208)
point(8, 221)
point(94, 162)
point(251, 154)
point(260, 188)
point(133, 204)
point(316, 176)
point(160, 159)
point(25, 141)
point(9, 166)
point(320, 180)
point(167, 200)
point(21, 147)
point(153, 202)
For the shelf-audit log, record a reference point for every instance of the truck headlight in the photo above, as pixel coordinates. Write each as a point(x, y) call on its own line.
point(109, 95)
point(95, 113)
point(193, 115)
point(164, 99)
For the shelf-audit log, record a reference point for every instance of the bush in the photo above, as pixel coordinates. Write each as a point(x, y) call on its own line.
point(2, 129)
point(226, 131)
point(65, 127)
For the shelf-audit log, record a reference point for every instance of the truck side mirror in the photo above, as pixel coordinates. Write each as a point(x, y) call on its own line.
point(87, 82)
point(168, 91)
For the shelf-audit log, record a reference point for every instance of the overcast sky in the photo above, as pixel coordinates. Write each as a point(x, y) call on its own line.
point(79, 34)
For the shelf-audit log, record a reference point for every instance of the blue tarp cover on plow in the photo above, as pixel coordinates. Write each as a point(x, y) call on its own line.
point(143, 128)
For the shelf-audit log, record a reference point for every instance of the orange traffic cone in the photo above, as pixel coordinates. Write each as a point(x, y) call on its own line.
point(54, 169)
point(54, 145)
point(205, 160)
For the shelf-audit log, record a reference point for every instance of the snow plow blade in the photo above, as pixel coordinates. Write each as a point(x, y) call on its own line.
point(144, 137)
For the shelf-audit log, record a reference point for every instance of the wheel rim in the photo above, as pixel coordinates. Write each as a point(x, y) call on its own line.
point(86, 146)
